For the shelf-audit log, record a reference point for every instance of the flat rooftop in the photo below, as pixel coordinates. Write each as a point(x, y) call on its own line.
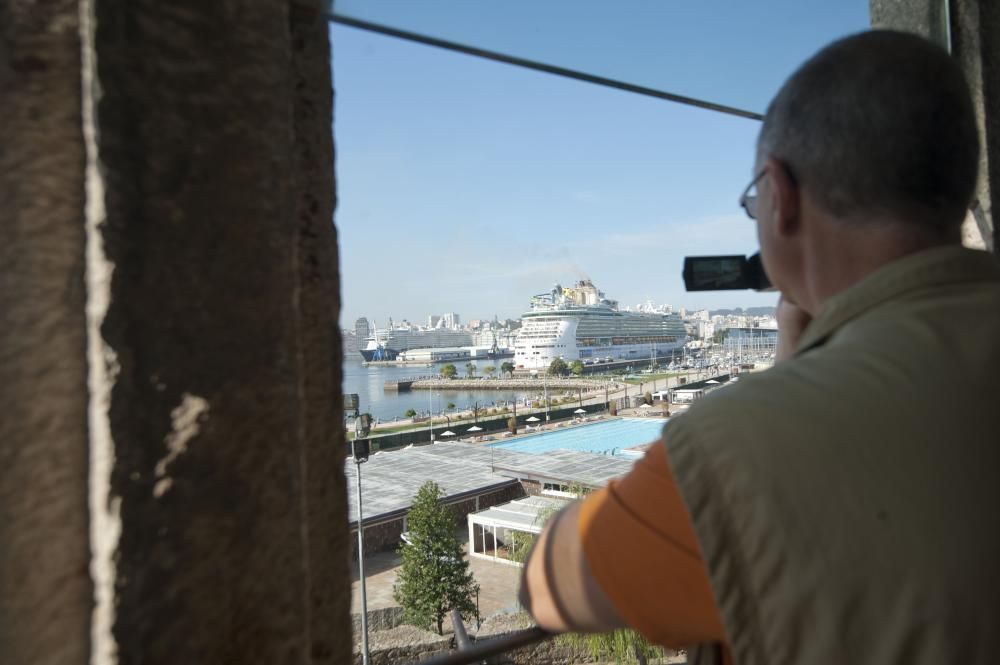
point(391, 478)
point(519, 515)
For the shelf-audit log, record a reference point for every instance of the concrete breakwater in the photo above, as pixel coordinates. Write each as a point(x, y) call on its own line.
point(533, 385)
point(398, 386)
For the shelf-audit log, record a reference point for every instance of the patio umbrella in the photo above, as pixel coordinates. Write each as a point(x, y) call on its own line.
point(474, 429)
point(532, 419)
point(645, 406)
point(580, 411)
point(447, 432)
point(711, 381)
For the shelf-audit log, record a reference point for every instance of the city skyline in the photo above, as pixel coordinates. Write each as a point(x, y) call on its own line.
point(422, 320)
point(475, 322)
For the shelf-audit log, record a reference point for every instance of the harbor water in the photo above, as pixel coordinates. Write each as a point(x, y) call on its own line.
point(368, 383)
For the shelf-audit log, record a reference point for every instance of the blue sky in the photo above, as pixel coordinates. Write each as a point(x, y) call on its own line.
point(467, 185)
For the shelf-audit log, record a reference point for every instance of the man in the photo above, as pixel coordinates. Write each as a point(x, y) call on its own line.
point(840, 507)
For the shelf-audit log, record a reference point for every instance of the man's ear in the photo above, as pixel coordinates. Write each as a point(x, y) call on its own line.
point(785, 201)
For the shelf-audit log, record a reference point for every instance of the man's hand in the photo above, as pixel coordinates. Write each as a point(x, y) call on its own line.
point(792, 321)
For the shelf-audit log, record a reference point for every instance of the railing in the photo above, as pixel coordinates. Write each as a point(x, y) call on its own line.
point(469, 652)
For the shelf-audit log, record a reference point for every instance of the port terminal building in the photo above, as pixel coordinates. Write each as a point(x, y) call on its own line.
point(473, 478)
point(436, 355)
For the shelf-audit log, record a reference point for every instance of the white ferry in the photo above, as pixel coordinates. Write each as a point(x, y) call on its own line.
point(579, 323)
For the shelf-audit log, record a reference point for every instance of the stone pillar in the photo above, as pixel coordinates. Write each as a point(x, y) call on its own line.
point(45, 591)
point(974, 25)
point(928, 18)
point(172, 351)
point(969, 28)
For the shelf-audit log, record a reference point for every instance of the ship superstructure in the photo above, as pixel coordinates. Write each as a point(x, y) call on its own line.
point(580, 323)
point(388, 343)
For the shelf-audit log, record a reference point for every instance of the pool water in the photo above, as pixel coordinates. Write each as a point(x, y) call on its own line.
point(609, 437)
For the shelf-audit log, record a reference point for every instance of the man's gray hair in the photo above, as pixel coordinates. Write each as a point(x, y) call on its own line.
point(878, 124)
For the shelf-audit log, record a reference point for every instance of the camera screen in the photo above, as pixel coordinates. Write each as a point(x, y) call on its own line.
point(719, 274)
point(715, 273)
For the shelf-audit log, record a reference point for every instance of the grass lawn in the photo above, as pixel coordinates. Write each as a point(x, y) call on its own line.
point(636, 379)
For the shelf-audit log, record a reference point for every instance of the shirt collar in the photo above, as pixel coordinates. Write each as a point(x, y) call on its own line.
point(933, 267)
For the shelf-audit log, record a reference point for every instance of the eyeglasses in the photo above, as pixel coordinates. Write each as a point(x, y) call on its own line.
point(748, 201)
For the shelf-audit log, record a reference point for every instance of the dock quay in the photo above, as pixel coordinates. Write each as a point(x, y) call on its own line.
point(396, 363)
point(506, 384)
point(633, 364)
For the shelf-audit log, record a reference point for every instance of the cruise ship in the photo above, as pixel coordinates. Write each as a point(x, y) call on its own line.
point(388, 343)
point(579, 323)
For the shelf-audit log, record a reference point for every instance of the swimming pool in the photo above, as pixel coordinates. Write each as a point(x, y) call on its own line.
point(609, 437)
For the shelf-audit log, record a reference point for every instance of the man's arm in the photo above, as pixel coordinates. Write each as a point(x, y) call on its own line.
point(626, 555)
point(557, 588)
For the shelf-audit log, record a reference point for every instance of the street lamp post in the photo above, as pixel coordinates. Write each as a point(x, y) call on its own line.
point(545, 388)
point(430, 414)
point(359, 451)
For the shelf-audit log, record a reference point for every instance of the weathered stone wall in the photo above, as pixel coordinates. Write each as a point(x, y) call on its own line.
point(406, 644)
point(216, 147)
point(403, 644)
point(972, 28)
point(381, 619)
point(186, 260)
point(45, 589)
point(379, 537)
point(976, 45)
point(922, 17)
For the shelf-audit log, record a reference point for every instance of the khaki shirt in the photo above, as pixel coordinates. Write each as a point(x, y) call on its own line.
point(847, 500)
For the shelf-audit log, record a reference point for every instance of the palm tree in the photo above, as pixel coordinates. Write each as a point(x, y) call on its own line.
point(507, 368)
point(470, 370)
point(490, 370)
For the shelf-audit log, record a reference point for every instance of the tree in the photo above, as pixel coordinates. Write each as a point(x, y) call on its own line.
point(450, 406)
point(435, 577)
point(470, 370)
point(490, 370)
point(449, 371)
point(576, 368)
point(512, 425)
point(410, 413)
point(648, 397)
point(558, 367)
point(507, 368)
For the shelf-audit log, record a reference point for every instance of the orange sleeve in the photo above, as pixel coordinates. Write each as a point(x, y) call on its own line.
point(642, 551)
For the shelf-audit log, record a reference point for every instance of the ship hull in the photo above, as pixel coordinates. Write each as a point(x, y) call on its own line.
point(381, 353)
